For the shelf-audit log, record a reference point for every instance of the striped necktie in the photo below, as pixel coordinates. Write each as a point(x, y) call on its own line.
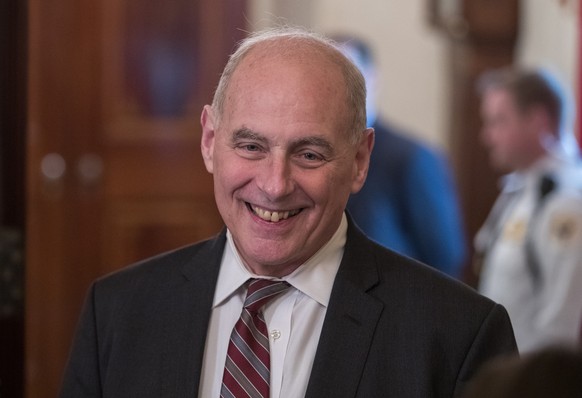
point(247, 368)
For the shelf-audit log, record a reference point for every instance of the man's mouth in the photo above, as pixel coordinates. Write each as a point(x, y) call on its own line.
point(273, 216)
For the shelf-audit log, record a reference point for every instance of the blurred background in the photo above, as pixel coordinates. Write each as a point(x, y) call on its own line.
point(99, 131)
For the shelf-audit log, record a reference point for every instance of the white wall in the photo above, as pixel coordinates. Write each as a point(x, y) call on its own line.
point(549, 39)
point(413, 89)
point(549, 36)
point(410, 58)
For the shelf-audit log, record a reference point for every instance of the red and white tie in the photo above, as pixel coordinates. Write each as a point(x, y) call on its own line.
point(247, 368)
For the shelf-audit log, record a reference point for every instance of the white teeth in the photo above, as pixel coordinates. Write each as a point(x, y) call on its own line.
point(273, 216)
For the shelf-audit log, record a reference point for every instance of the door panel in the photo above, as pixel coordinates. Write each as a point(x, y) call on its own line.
point(114, 173)
point(142, 229)
point(482, 35)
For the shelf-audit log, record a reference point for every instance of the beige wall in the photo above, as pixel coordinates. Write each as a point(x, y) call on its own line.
point(549, 36)
point(412, 57)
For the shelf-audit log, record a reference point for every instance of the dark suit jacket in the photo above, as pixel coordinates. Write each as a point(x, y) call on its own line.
point(393, 328)
point(409, 202)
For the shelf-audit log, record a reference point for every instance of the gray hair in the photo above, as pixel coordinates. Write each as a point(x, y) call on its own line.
point(293, 36)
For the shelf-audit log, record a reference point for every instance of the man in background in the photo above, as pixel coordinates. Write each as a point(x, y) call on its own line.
point(409, 201)
point(531, 244)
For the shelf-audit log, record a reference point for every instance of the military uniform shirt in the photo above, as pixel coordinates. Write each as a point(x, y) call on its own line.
point(542, 289)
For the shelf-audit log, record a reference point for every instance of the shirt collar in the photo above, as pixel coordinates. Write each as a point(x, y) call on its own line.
point(314, 278)
point(529, 177)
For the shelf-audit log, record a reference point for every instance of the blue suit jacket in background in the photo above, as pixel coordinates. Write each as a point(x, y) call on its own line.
point(409, 202)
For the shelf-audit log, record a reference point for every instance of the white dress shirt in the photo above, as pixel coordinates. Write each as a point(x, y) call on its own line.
point(294, 319)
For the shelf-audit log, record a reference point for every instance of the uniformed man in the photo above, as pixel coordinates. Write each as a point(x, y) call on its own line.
point(531, 243)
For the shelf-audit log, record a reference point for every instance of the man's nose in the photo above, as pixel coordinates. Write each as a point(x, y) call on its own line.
point(275, 178)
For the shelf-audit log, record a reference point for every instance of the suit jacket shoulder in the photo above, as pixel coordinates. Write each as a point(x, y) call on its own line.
point(166, 267)
point(398, 328)
point(143, 328)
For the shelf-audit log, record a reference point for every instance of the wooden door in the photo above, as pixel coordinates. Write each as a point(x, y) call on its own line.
point(482, 35)
point(114, 167)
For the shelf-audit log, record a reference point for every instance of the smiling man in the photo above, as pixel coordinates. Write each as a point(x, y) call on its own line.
point(291, 299)
point(286, 152)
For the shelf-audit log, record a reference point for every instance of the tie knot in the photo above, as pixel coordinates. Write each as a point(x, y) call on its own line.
point(261, 291)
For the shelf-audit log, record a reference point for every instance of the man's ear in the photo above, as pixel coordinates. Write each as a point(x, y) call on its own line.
point(208, 136)
point(540, 120)
point(362, 160)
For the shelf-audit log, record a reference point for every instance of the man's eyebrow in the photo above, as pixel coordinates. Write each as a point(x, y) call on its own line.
point(313, 141)
point(245, 133)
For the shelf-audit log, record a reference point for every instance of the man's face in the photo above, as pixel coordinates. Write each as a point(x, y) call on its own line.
point(283, 167)
point(507, 132)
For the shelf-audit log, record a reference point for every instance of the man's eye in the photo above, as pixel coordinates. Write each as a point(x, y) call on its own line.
point(311, 156)
point(251, 147)
point(250, 150)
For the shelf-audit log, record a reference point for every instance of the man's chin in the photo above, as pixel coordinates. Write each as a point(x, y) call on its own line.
point(500, 165)
point(272, 260)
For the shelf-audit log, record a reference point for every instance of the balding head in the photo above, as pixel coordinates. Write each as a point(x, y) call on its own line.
point(311, 52)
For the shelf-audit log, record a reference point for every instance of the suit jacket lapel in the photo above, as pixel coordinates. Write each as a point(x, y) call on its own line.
point(186, 323)
point(350, 323)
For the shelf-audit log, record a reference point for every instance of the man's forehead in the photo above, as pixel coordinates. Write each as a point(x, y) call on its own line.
point(310, 138)
point(284, 73)
point(298, 55)
point(279, 83)
point(499, 96)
